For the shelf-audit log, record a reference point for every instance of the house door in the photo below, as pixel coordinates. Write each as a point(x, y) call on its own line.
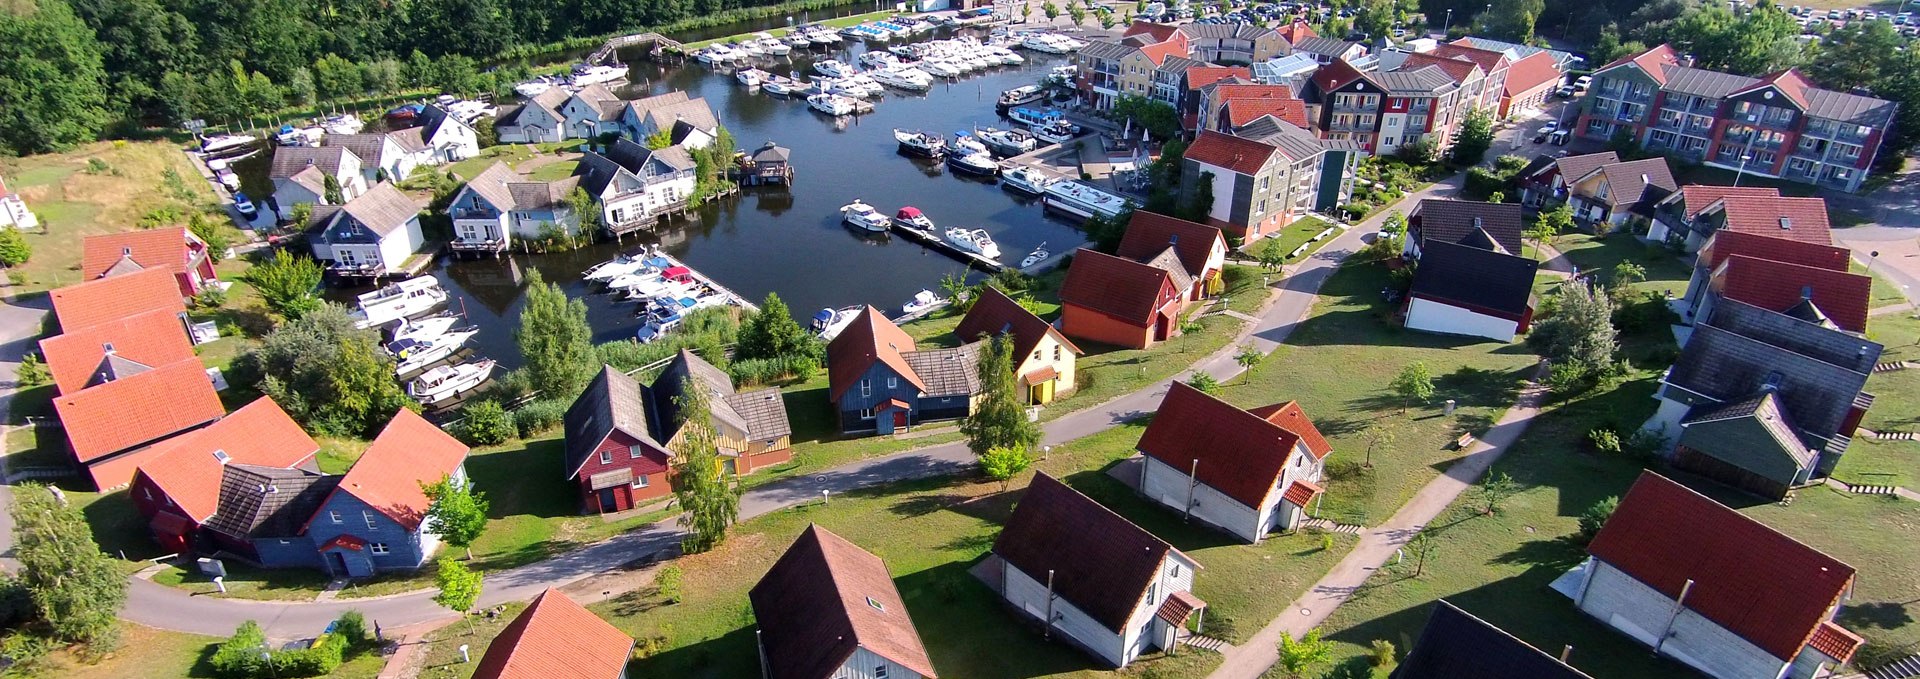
point(899, 419)
point(1160, 328)
point(608, 503)
point(338, 563)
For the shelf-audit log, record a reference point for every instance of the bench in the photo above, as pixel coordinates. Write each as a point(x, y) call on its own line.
point(1464, 441)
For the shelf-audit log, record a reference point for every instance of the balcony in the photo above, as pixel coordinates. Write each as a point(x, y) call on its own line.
point(479, 244)
point(474, 213)
point(1353, 107)
point(357, 269)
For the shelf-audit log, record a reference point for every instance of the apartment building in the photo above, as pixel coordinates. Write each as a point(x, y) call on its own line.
point(1779, 125)
point(1235, 43)
point(1412, 97)
point(1262, 179)
point(1131, 66)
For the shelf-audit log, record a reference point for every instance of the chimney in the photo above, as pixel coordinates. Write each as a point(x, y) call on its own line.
point(1644, 179)
point(106, 348)
point(1476, 222)
point(1806, 292)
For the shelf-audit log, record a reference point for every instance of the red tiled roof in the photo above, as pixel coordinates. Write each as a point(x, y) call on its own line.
point(259, 434)
point(1158, 52)
point(870, 337)
point(1149, 234)
point(110, 299)
point(825, 598)
point(1292, 418)
point(1747, 578)
point(1301, 493)
point(1487, 60)
point(151, 339)
point(1777, 286)
point(1805, 218)
point(138, 409)
point(1102, 562)
point(995, 312)
point(556, 637)
point(1159, 32)
point(1202, 76)
point(1789, 82)
point(1243, 111)
point(1297, 31)
point(1239, 453)
point(1653, 62)
point(1725, 244)
point(150, 248)
point(1040, 375)
point(1335, 76)
point(1231, 91)
point(409, 452)
point(1244, 156)
point(1179, 606)
point(1526, 74)
point(1457, 69)
point(1698, 196)
point(1116, 286)
point(1835, 641)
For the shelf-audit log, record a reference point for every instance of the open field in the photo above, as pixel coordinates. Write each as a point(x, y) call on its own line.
point(101, 188)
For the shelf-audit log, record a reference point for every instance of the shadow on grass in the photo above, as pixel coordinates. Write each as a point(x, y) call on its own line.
point(1162, 521)
point(977, 636)
point(1558, 554)
point(117, 527)
point(727, 656)
point(1884, 615)
point(504, 474)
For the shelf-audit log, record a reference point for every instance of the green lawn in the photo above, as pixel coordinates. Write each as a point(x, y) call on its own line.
point(1885, 292)
point(74, 200)
point(511, 154)
point(554, 171)
point(1896, 407)
point(1297, 234)
point(1665, 271)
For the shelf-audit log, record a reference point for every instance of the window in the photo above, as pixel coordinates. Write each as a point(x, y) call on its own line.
point(893, 382)
point(1388, 141)
point(866, 387)
point(368, 516)
point(866, 413)
point(378, 548)
point(1175, 571)
point(875, 603)
point(879, 672)
point(146, 493)
point(1056, 352)
point(1152, 590)
point(606, 457)
point(641, 481)
point(1265, 182)
point(334, 516)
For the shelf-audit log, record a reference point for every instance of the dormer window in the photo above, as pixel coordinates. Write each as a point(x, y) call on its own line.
point(221, 456)
point(876, 605)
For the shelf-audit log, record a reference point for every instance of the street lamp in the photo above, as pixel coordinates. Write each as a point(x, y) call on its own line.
point(1447, 24)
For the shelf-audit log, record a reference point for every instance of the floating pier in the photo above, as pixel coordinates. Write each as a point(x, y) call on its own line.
point(732, 298)
point(939, 244)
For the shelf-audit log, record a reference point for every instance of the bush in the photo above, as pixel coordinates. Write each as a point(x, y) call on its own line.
point(1567, 379)
point(1380, 653)
point(1596, 516)
point(320, 659)
point(1604, 439)
point(1644, 313)
point(763, 371)
point(32, 372)
point(1355, 211)
point(540, 416)
point(1482, 182)
point(242, 656)
point(486, 424)
point(14, 250)
point(210, 298)
point(352, 626)
point(668, 582)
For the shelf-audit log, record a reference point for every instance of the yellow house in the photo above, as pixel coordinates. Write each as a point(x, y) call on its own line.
point(1042, 357)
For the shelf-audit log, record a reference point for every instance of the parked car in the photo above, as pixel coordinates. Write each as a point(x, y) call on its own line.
point(1560, 137)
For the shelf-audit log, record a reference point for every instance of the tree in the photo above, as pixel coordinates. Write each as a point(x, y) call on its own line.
point(1052, 11)
point(245, 654)
point(486, 423)
point(1548, 226)
point(288, 284)
point(1205, 383)
point(1297, 656)
point(710, 495)
point(555, 340)
point(1596, 516)
point(459, 587)
point(1476, 137)
point(76, 588)
point(772, 333)
point(419, 69)
point(1271, 254)
point(331, 187)
point(1758, 40)
point(1423, 545)
point(1247, 358)
point(1580, 333)
point(1076, 13)
point(1026, 13)
point(1414, 382)
point(1156, 117)
point(327, 374)
point(300, 87)
point(586, 209)
point(1002, 463)
point(1379, 435)
point(458, 513)
point(384, 76)
point(1423, 151)
point(14, 248)
point(1627, 274)
point(53, 90)
point(1495, 489)
point(1001, 419)
point(32, 372)
point(1860, 54)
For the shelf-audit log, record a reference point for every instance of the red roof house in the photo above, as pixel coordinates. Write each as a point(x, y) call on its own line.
point(556, 637)
point(113, 298)
point(1726, 244)
point(1529, 82)
point(95, 354)
point(1809, 293)
point(112, 427)
point(1201, 248)
point(829, 609)
point(1712, 588)
point(183, 475)
point(1247, 473)
point(1801, 219)
point(175, 250)
point(1119, 301)
point(382, 500)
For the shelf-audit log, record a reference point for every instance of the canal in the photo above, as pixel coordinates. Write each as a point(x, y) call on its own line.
point(790, 240)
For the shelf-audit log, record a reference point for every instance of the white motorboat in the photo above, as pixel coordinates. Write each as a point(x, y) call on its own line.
point(832, 68)
point(225, 142)
point(299, 136)
point(1039, 254)
point(831, 104)
point(827, 323)
point(1031, 117)
point(751, 77)
point(922, 300)
point(775, 47)
point(979, 62)
point(718, 54)
point(877, 59)
point(224, 172)
point(423, 329)
point(976, 241)
point(750, 48)
point(978, 163)
point(1008, 57)
point(415, 355)
point(1006, 142)
point(442, 383)
point(823, 37)
point(630, 281)
point(1021, 96)
point(1025, 180)
point(920, 143)
point(864, 216)
point(865, 84)
point(590, 75)
point(1083, 201)
point(780, 86)
point(612, 268)
point(907, 78)
point(1063, 75)
point(345, 123)
point(939, 67)
point(1041, 42)
point(911, 217)
point(1056, 132)
point(395, 301)
point(532, 88)
point(964, 143)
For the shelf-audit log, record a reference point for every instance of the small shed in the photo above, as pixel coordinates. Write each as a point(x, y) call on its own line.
point(769, 164)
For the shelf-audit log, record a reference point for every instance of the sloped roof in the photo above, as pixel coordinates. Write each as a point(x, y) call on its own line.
point(1740, 348)
point(1106, 49)
point(1487, 60)
point(1637, 183)
point(1158, 32)
point(1458, 70)
point(1291, 417)
point(556, 637)
point(1291, 139)
point(1843, 296)
point(1748, 578)
point(148, 248)
point(762, 414)
point(188, 467)
point(1336, 75)
point(1696, 197)
point(409, 452)
point(383, 209)
point(1101, 562)
point(1530, 72)
point(150, 339)
point(1322, 45)
point(1788, 83)
point(137, 409)
point(1725, 244)
point(291, 160)
point(825, 598)
point(1473, 277)
point(947, 371)
point(1801, 219)
point(1147, 234)
point(1451, 220)
point(1457, 645)
point(1169, 261)
point(869, 338)
point(493, 184)
point(368, 146)
point(1240, 112)
point(1230, 450)
point(1296, 31)
point(696, 112)
point(1654, 62)
point(1174, 63)
point(612, 400)
point(994, 312)
point(1241, 155)
point(1771, 428)
point(1574, 167)
point(1202, 76)
point(268, 502)
point(1117, 286)
point(1425, 80)
point(113, 298)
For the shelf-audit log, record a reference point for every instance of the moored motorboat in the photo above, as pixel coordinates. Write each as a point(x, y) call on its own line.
point(978, 162)
point(442, 383)
point(862, 215)
point(922, 300)
point(612, 268)
point(584, 75)
point(976, 241)
point(398, 300)
point(911, 217)
point(1056, 132)
point(1006, 142)
point(751, 77)
point(827, 323)
point(1083, 201)
point(920, 143)
point(1039, 254)
point(831, 104)
point(1021, 96)
point(963, 143)
point(1025, 180)
point(832, 68)
point(780, 86)
point(414, 354)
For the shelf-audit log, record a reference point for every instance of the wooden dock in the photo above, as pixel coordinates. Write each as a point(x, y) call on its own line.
point(660, 44)
point(733, 298)
point(939, 244)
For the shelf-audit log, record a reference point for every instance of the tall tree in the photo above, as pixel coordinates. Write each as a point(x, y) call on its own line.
point(709, 494)
point(1247, 358)
point(52, 83)
point(75, 586)
point(458, 513)
point(771, 332)
point(459, 587)
point(1860, 54)
point(1476, 137)
point(288, 284)
point(1758, 40)
point(327, 374)
point(555, 340)
point(1001, 418)
point(1580, 332)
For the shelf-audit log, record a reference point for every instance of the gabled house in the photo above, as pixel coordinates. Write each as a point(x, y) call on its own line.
point(1118, 301)
point(1423, 103)
point(634, 185)
point(371, 235)
point(1676, 219)
point(1530, 81)
point(1470, 289)
point(1247, 473)
point(1042, 356)
point(1741, 355)
point(751, 427)
point(1228, 105)
point(499, 206)
point(181, 487)
point(1091, 577)
point(1494, 67)
point(115, 298)
point(113, 426)
point(1328, 50)
point(612, 452)
point(1801, 219)
point(1617, 192)
point(96, 354)
point(1488, 226)
point(1837, 299)
point(1196, 79)
point(1725, 244)
point(1456, 644)
point(1234, 43)
point(436, 138)
point(1201, 249)
point(174, 249)
point(689, 122)
point(1713, 589)
point(328, 175)
point(375, 520)
point(13, 210)
point(441, 137)
point(534, 122)
point(556, 637)
point(880, 381)
point(592, 111)
point(1262, 178)
point(827, 609)
point(1549, 179)
point(1128, 66)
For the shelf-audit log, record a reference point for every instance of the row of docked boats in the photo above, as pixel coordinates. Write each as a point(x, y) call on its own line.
point(582, 75)
point(665, 290)
point(964, 153)
point(425, 342)
point(828, 323)
point(1051, 43)
point(761, 45)
point(911, 219)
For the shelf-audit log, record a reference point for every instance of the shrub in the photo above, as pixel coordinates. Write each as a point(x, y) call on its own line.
point(352, 626)
point(486, 424)
point(1601, 228)
point(540, 416)
point(14, 249)
point(1596, 516)
point(320, 659)
point(668, 582)
point(1647, 444)
point(1567, 379)
point(241, 656)
point(1380, 653)
point(1326, 542)
point(1604, 439)
point(32, 371)
point(762, 371)
point(1355, 211)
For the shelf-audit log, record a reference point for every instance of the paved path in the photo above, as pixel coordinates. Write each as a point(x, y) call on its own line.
point(19, 324)
point(1377, 545)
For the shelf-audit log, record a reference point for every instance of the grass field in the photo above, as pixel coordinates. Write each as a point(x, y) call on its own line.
point(76, 197)
point(1666, 272)
point(1298, 234)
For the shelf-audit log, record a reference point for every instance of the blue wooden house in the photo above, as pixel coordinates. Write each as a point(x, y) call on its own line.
point(880, 382)
point(499, 206)
point(375, 520)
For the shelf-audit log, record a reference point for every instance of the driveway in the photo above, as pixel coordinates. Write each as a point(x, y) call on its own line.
point(19, 325)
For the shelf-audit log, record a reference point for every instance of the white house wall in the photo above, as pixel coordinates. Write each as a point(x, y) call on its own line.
point(1223, 178)
point(396, 247)
point(1162, 483)
point(1620, 601)
point(865, 664)
point(1431, 316)
point(1030, 595)
point(455, 141)
point(1145, 630)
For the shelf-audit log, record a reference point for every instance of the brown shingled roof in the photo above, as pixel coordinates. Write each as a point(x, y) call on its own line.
point(1244, 156)
point(1236, 452)
point(1116, 286)
point(1148, 234)
point(825, 598)
point(1101, 562)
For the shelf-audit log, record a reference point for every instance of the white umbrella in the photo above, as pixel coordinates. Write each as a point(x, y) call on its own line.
point(1128, 132)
